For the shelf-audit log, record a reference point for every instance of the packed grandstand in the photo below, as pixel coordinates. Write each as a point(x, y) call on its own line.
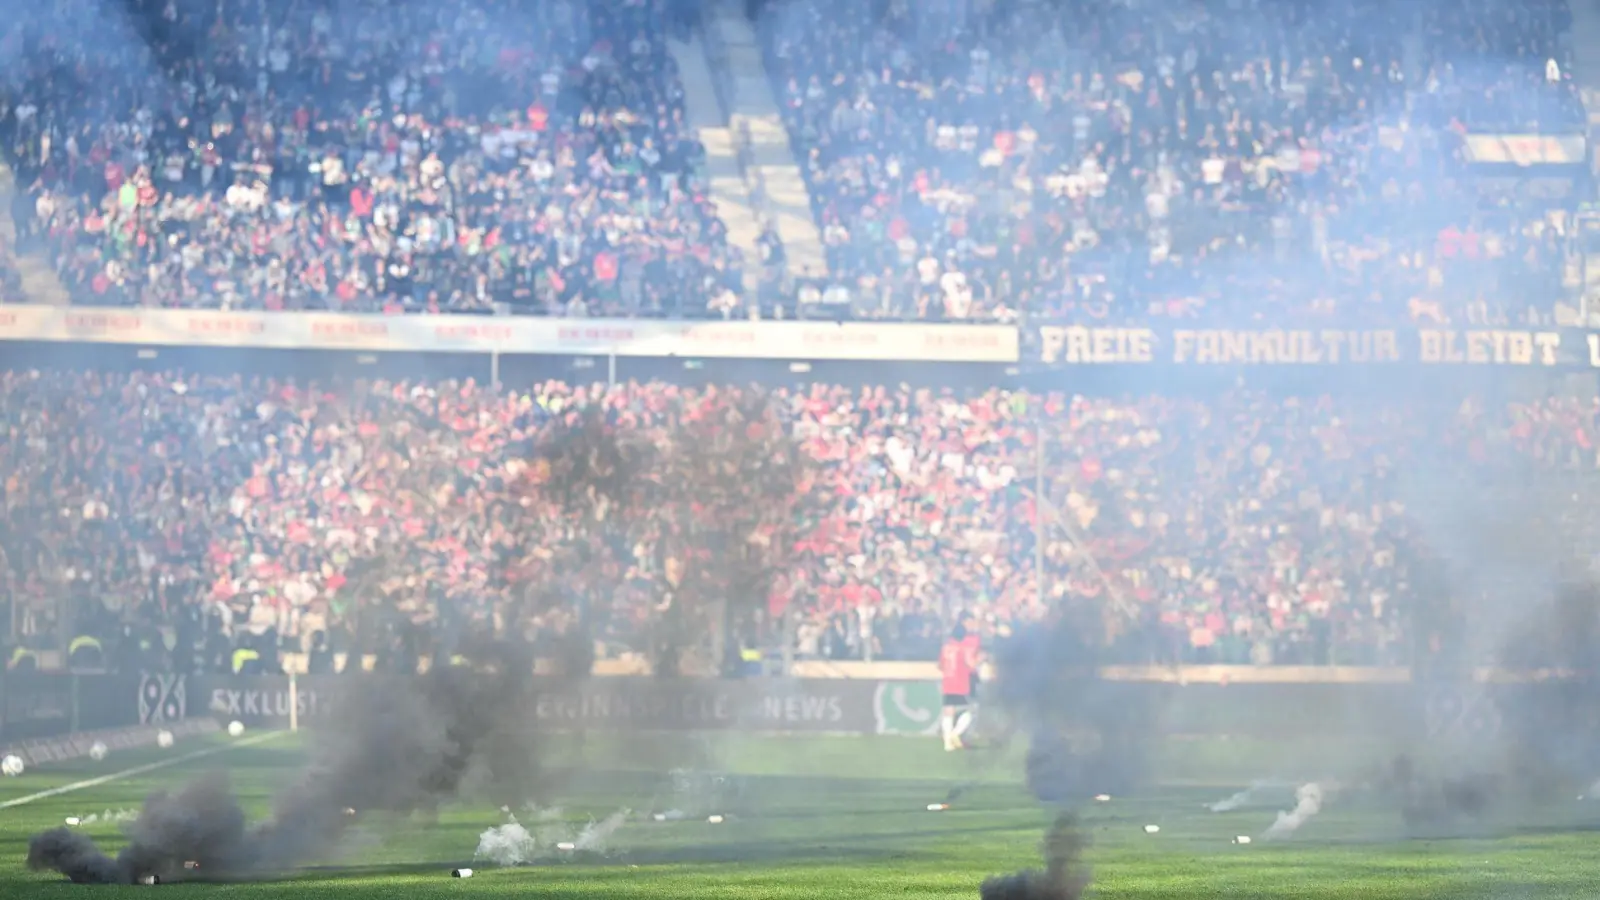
point(1249, 166)
point(1247, 162)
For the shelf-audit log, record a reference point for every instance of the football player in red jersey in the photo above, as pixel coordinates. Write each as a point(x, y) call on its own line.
point(959, 659)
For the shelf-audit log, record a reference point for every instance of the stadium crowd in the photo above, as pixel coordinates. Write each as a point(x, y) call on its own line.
point(461, 157)
point(1240, 528)
point(1233, 161)
point(1230, 161)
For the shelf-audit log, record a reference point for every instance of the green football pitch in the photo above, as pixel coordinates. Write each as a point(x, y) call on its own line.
point(830, 817)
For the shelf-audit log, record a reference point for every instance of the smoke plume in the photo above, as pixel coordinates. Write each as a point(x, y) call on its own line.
point(732, 481)
point(1248, 795)
point(1529, 740)
point(1064, 876)
point(1085, 739)
point(1307, 803)
point(1087, 735)
point(1436, 804)
point(512, 844)
point(402, 746)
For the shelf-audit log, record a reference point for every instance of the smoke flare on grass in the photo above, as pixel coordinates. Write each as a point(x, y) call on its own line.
point(1064, 876)
point(512, 844)
point(1085, 739)
point(1308, 800)
point(1248, 795)
point(403, 745)
point(596, 836)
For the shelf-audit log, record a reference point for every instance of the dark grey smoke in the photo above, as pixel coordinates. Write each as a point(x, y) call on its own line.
point(1545, 745)
point(1064, 876)
point(729, 485)
point(1086, 735)
point(1433, 803)
point(401, 745)
point(75, 856)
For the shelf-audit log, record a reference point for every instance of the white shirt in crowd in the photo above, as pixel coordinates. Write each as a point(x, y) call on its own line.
point(957, 295)
point(246, 198)
point(1156, 205)
point(300, 591)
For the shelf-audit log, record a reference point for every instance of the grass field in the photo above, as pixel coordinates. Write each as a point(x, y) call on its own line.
point(841, 817)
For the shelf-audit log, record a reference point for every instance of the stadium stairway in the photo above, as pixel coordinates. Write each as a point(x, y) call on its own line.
point(725, 171)
point(1585, 43)
point(40, 283)
point(771, 167)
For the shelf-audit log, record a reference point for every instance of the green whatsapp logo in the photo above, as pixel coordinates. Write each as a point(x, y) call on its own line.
point(907, 707)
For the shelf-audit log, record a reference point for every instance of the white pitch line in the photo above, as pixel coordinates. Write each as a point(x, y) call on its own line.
point(139, 770)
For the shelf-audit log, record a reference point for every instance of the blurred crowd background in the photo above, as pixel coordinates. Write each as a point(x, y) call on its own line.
point(1219, 163)
point(1240, 528)
point(1232, 161)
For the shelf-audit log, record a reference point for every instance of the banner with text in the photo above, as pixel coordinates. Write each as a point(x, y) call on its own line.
point(1267, 710)
point(689, 704)
point(1102, 346)
point(1526, 150)
point(843, 706)
point(911, 342)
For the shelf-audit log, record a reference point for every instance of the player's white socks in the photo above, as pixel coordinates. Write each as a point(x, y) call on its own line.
point(963, 722)
point(947, 726)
